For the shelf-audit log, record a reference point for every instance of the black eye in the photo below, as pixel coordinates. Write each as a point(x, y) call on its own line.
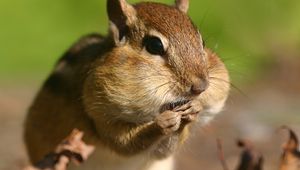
point(153, 45)
point(203, 43)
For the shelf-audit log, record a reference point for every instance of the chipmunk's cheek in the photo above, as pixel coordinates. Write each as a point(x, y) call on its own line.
point(209, 112)
point(215, 108)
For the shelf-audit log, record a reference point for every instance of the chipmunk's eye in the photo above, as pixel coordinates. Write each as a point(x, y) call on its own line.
point(203, 43)
point(153, 45)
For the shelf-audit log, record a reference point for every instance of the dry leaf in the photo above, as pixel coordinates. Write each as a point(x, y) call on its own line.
point(250, 158)
point(290, 158)
point(70, 149)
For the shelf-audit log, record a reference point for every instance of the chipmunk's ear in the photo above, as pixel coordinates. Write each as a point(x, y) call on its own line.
point(121, 15)
point(182, 5)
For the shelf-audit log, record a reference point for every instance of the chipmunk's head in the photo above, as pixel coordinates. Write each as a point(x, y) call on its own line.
point(158, 58)
point(165, 37)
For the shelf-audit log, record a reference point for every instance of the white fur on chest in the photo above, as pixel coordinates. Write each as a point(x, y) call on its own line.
point(104, 159)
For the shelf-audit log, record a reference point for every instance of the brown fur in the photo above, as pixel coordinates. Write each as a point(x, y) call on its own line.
point(114, 90)
point(186, 42)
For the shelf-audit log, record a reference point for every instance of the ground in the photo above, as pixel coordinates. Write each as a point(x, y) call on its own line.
point(268, 105)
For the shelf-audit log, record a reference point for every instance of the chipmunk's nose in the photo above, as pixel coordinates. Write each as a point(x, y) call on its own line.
point(199, 85)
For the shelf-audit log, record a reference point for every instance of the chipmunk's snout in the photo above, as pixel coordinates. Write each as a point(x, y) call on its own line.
point(199, 85)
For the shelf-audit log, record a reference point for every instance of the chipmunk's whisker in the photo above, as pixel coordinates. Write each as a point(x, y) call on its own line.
point(231, 84)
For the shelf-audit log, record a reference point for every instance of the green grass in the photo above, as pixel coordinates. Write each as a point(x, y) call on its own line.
point(34, 33)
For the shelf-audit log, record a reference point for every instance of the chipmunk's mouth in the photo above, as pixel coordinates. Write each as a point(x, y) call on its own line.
point(173, 105)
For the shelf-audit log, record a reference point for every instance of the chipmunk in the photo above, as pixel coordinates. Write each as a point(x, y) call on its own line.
point(136, 93)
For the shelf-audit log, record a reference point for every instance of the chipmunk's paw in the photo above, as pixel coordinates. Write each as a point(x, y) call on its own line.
point(190, 111)
point(168, 121)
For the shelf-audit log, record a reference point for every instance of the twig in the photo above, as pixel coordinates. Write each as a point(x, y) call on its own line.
point(221, 154)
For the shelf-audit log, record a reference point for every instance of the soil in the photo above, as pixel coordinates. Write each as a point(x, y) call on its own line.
point(269, 104)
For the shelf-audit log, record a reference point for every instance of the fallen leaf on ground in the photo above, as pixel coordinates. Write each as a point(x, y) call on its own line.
point(71, 149)
point(250, 158)
point(290, 158)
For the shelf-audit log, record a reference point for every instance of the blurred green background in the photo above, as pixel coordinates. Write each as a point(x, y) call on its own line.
point(34, 33)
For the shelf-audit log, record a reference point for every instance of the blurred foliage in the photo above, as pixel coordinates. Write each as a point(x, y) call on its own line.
point(34, 33)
